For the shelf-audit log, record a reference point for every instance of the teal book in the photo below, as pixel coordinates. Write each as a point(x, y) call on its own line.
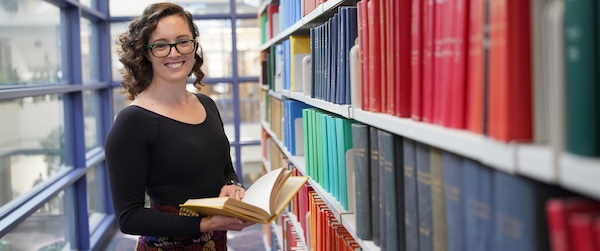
point(360, 140)
point(583, 95)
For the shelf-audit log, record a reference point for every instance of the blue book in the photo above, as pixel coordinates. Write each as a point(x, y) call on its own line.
point(333, 55)
point(341, 58)
point(411, 207)
point(351, 36)
point(519, 213)
point(424, 197)
point(454, 201)
point(479, 207)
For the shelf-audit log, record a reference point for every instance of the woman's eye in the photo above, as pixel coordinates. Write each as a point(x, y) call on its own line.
point(184, 43)
point(160, 46)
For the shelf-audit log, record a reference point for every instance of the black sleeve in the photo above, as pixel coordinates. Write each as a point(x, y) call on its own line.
point(127, 161)
point(229, 173)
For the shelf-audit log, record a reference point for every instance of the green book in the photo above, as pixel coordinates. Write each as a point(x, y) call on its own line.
point(583, 111)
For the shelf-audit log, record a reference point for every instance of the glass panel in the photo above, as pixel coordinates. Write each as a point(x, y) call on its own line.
point(249, 111)
point(89, 51)
point(91, 108)
point(248, 44)
point(222, 94)
point(31, 144)
point(116, 29)
point(215, 39)
point(246, 6)
point(135, 7)
point(96, 197)
point(118, 101)
point(46, 229)
point(251, 164)
point(30, 52)
point(89, 3)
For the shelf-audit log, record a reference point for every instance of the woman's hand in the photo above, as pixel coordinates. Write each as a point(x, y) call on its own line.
point(233, 191)
point(222, 223)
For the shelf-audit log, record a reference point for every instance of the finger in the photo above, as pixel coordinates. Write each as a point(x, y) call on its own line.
point(237, 194)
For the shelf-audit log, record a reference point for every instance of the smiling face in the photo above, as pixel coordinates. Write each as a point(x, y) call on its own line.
point(175, 67)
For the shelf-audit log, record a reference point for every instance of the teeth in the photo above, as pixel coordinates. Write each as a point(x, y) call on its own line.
point(174, 65)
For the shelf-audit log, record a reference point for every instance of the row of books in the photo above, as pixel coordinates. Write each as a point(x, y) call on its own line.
point(500, 81)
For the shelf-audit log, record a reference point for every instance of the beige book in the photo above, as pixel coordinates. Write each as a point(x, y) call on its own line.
point(262, 203)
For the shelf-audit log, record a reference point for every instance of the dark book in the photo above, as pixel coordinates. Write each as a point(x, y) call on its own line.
point(454, 201)
point(374, 161)
point(397, 241)
point(385, 145)
point(425, 225)
point(479, 210)
point(360, 141)
point(391, 162)
point(411, 207)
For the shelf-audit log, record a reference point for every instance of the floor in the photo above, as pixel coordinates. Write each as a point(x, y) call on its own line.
point(249, 239)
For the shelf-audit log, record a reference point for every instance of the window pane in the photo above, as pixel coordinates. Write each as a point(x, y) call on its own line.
point(89, 3)
point(249, 111)
point(248, 44)
point(222, 94)
point(116, 29)
point(215, 39)
point(30, 52)
point(118, 101)
point(89, 51)
point(246, 6)
point(96, 196)
point(135, 7)
point(251, 164)
point(31, 143)
point(91, 108)
point(46, 229)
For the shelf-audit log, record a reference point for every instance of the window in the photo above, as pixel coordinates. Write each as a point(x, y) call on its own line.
point(248, 44)
point(96, 195)
point(30, 52)
point(91, 123)
point(32, 144)
point(215, 39)
point(135, 7)
point(246, 6)
point(222, 94)
point(89, 51)
point(249, 111)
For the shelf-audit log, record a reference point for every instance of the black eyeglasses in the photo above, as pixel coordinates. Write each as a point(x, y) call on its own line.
point(161, 50)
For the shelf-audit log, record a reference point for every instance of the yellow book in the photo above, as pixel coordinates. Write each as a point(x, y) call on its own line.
point(299, 48)
point(262, 203)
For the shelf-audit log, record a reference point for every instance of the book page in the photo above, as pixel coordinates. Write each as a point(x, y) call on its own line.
point(259, 194)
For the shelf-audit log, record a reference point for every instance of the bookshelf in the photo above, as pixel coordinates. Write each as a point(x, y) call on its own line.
point(542, 162)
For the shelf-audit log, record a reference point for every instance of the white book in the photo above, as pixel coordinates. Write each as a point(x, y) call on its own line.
point(355, 77)
point(306, 75)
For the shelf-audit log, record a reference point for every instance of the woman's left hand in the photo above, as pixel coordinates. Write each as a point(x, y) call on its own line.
point(232, 191)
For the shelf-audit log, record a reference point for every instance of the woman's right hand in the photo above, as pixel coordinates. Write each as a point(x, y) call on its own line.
point(222, 223)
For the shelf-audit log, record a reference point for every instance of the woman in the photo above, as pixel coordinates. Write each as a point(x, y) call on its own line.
point(168, 143)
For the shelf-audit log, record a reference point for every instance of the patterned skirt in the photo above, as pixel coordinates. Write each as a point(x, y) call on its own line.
point(206, 241)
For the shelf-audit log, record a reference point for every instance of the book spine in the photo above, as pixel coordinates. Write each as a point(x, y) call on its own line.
point(423, 164)
point(374, 161)
point(437, 201)
point(411, 206)
point(454, 201)
point(479, 210)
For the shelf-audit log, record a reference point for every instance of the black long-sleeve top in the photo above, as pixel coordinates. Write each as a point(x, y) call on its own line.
point(171, 161)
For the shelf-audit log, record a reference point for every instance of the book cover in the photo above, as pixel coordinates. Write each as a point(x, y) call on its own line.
point(262, 203)
point(299, 48)
point(374, 164)
point(558, 211)
point(476, 67)
point(360, 140)
point(403, 68)
point(425, 226)
point(411, 204)
point(416, 53)
point(454, 201)
point(479, 207)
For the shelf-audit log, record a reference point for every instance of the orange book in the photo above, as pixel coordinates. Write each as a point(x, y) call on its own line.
point(475, 68)
point(509, 92)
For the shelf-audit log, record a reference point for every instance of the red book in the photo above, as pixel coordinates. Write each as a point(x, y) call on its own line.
point(442, 56)
point(416, 54)
point(363, 40)
point(271, 9)
point(389, 34)
point(382, 55)
point(427, 59)
point(455, 102)
point(475, 68)
point(597, 232)
point(402, 60)
point(509, 91)
point(374, 57)
point(580, 225)
point(558, 212)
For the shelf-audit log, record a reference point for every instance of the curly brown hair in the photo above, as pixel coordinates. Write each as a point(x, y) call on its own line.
point(137, 70)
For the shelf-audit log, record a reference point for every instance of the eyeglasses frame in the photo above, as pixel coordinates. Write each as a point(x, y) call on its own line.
point(171, 45)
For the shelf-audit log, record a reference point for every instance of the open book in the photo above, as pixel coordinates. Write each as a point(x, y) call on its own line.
point(263, 201)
